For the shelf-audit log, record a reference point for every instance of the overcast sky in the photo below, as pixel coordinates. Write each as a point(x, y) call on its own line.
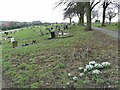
point(31, 10)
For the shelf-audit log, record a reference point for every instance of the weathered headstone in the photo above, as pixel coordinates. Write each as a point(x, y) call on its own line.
point(6, 33)
point(5, 39)
point(62, 32)
point(12, 40)
point(41, 33)
point(53, 35)
point(33, 42)
point(14, 44)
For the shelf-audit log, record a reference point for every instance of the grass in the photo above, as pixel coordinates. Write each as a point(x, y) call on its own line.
point(48, 62)
point(112, 27)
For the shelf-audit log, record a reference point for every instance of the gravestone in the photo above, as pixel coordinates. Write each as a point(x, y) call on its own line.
point(66, 26)
point(9, 37)
point(51, 28)
point(12, 40)
point(62, 32)
point(33, 42)
point(53, 35)
point(25, 44)
point(14, 44)
point(6, 33)
point(41, 33)
point(5, 38)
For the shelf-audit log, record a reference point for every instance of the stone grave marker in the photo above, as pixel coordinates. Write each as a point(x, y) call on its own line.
point(6, 33)
point(14, 44)
point(12, 40)
point(53, 35)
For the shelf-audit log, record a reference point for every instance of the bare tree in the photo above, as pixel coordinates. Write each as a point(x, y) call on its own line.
point(69, 14)
point(88, 16)
point(110, 14)
point(94, 14)
point(88, 8)
point(105, 4)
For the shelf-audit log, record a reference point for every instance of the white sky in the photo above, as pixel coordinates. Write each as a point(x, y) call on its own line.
point(31, 10)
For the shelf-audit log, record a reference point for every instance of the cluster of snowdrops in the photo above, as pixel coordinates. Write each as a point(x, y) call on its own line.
point(93, 68)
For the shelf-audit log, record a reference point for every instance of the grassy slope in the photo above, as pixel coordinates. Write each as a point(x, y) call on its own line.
point(47, 63)
point(109, 27)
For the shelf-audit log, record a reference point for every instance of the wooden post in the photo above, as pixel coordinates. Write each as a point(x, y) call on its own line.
point(14, 43)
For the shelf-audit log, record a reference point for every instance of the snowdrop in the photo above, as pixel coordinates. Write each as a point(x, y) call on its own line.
point(89, 67)
point(69, 74)
point(85, 70)
point(92, 63)
point(96, 71)
point(75, 78)
point(81, 74)
point(106, 64)
point(98, 65)
point(81, 69)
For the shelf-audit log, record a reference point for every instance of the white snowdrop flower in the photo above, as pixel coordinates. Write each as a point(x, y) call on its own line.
point(92, 62)
point(81, 74)
point(75, 78)
point(85, 70)
point(80, 68)
point(69, 74)
point(89, 67)
point(98, 65)
point(106, 64)
point(96, 71)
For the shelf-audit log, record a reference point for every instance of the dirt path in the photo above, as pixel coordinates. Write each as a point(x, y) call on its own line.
point(108, 32)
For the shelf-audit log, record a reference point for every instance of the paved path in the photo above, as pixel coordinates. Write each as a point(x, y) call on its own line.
point(114, 34)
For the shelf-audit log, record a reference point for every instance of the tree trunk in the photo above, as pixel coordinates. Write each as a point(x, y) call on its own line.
point(79, 21)
point(82, 19)
point(103, 18)
point(88, 14)
point(70, 20)
point(109, 21)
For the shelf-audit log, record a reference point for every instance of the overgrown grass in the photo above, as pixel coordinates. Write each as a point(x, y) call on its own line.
point(48, 62)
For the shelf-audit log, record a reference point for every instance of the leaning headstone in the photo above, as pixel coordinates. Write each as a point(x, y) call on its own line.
point(14, 44)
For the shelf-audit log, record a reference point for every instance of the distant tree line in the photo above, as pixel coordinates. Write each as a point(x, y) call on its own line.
point(15, 25)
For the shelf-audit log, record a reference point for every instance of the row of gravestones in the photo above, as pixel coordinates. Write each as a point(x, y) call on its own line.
point(6, 33)
point(15, 43)
point(53, 35)
point(58, 29)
